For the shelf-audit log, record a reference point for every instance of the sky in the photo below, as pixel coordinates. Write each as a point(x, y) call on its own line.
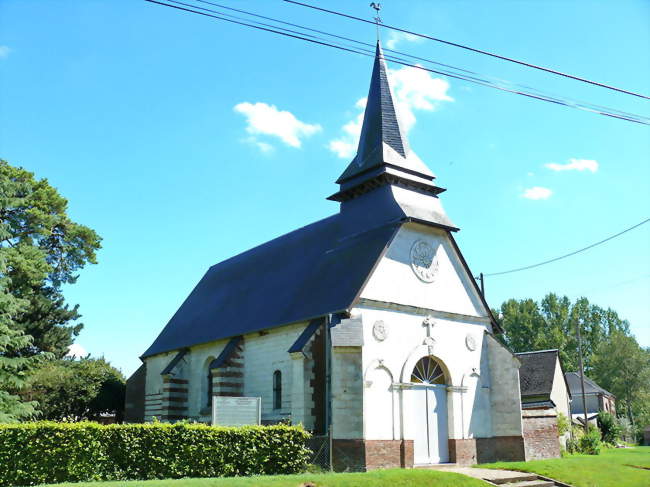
point(184, 140)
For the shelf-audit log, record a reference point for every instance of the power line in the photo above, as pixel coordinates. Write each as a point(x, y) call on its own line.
point(609, 112)
point(473, 49)
point(570, 253)
point(355, 41)
point(336, 36)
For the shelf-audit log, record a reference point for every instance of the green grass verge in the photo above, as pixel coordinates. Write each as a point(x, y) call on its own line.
point(377, 478)
point(612, 468)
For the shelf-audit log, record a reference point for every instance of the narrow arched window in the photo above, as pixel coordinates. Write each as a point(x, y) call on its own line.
point(277, 389)
point(209, 387)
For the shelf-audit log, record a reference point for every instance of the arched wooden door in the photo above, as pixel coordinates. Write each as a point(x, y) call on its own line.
point(429, 412)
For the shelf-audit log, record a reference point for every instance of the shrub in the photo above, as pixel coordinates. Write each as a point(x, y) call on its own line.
point(562, 424)
point(49, 452)
point(573, 443)
point(609, 427)
point(590, 443)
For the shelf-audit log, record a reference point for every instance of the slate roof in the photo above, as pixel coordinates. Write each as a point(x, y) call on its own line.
point(310, 272)
point(548, 404)
point(573, 380)
point(383, 139)
point(536, 372)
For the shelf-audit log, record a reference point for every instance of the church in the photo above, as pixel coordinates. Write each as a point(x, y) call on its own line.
point(367, 324)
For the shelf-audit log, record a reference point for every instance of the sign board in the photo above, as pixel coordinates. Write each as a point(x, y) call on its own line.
point(236, 411)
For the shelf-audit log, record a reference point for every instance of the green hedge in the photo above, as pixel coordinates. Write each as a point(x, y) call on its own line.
point(49, 452)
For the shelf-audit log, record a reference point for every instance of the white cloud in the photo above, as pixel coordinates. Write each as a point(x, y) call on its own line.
point(266, 119)
point(76, 351)
point(537, 193)
point(396, 37)
point(264, 147)
point(414, 89)
point(4, 51)
point(574, 165)
point(346, 146)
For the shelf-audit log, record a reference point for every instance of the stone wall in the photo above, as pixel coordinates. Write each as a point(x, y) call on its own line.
point(347, 393)
point(504, 394)
point(248, 373)
point(266, 352)
point(485, 450)
point(540, 434)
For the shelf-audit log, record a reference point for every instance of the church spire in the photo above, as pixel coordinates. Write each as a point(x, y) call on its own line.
point(383, 147)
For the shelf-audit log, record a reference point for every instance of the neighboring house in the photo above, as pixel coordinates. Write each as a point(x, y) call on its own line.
point(597, 399)
point(544, 394)
point(369, 322)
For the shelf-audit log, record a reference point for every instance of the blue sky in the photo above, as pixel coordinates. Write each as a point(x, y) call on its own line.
point(183, 141)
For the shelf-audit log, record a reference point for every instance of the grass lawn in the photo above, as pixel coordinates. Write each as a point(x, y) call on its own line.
point(615, 467)
point(381, 478)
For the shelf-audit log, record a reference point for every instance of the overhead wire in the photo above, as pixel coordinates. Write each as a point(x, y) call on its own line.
point(473, 49)
point(336, 36)
point(605, 111)
point(555, 259)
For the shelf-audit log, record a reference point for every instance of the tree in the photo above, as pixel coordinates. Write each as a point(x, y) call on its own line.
point(42, 249)
point(77, 389)
point(13, 369)
point(553, 322)
point(623, 368)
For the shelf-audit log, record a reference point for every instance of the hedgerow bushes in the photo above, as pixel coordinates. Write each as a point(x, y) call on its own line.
point(49, 452)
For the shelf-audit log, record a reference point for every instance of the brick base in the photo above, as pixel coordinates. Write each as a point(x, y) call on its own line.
point(462, 452)
point(484, 450)
point(541, 437)
point(363, 455)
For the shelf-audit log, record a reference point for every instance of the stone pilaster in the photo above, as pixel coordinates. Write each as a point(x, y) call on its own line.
point(228, 379)
point(174, 399)
point(347, 380)
point(301, 394)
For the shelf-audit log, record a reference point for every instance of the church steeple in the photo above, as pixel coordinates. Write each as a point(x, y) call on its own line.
point(383, 147)
point(386, 179)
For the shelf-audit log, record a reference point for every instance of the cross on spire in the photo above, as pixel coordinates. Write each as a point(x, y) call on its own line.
point(376, 18)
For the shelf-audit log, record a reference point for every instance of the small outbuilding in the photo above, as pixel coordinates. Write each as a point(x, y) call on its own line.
point(596, 399)
point(544, 395)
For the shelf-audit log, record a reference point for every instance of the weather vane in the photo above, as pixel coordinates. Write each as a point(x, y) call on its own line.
point(376, 18)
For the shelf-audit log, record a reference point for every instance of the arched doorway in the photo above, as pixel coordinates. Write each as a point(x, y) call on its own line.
point(429, 411)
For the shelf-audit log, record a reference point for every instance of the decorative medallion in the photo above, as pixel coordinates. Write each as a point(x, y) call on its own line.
point(470, 342)
point(380, 331)
point(423, 261)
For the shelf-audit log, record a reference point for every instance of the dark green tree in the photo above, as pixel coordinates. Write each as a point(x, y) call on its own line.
point(553, 322)
point(77, 389)
point(13, 368)
point(42, 249)
point(622, 367)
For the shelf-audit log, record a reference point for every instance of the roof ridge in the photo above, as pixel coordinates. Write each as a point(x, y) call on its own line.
point(538, 351)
